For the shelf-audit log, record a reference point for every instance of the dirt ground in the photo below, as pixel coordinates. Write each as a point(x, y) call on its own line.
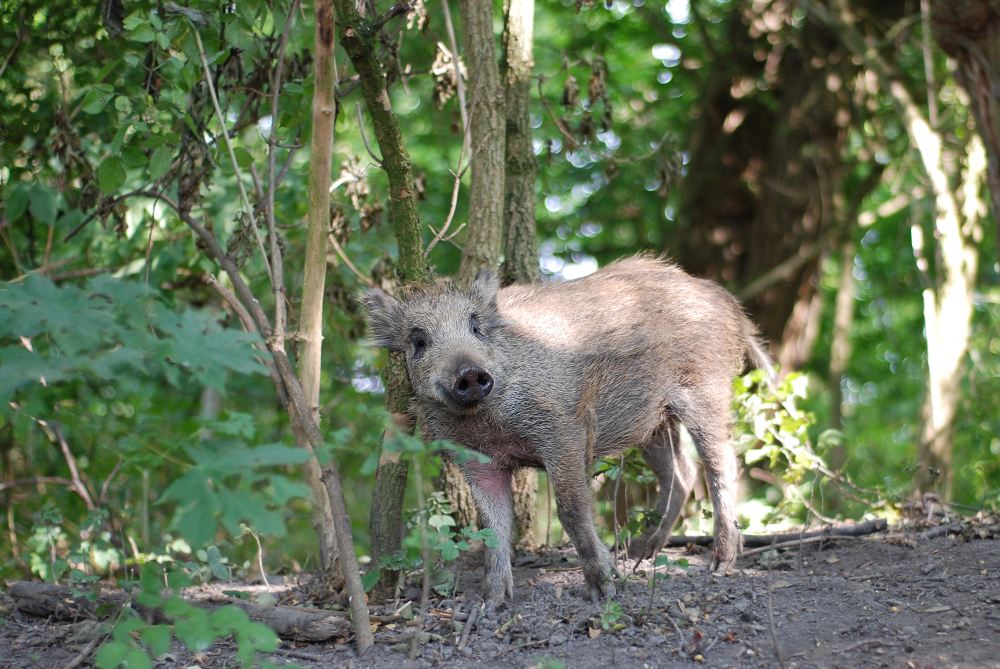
point(889, 600)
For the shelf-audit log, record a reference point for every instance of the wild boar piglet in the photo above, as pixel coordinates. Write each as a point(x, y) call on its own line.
point(557, 374)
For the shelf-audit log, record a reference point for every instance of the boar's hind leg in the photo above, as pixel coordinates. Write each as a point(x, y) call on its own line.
point(574, 502)
point(675, 474)
point(491, 488)
point(707, 419)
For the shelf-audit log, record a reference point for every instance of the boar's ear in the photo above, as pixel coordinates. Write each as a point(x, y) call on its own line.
point(385, 319)
point(484, 288)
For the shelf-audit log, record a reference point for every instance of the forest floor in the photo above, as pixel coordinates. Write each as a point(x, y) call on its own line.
point(888, 600)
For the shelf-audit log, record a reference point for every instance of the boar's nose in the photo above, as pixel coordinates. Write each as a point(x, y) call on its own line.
point(472, 383)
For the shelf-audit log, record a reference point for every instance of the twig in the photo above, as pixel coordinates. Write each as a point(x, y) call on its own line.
point(463, 107)
point(85, 653)
point(459, 173)
point(519, 646)
point(770, 620)
point(278, 276)
point(347, 261)
point(229, 148)
point(299, 655)
point(794, 543)
point(74, 472)
point(36, 480)
point(364, 136)
point(470, 624)
point(677, 630)
point(940, 531)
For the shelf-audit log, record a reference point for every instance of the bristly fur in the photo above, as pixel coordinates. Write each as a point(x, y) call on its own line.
point(579, 370)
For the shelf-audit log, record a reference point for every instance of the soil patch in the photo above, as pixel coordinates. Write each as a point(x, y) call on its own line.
point(881, 601)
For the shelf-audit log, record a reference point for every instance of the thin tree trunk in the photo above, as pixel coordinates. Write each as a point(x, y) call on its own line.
point(484, 243)
point(947, 296)
point(324, 107)
point(520, 263)
point(358, 36)
point(840, 347)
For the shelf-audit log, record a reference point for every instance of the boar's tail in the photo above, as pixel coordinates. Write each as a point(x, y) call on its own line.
point(761, 360)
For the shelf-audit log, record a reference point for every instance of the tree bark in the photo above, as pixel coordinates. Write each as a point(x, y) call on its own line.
point(763, 163)
point(484, 243)
point(358, 36)
point(969, 32)
point(324, 111)
point(520, 264)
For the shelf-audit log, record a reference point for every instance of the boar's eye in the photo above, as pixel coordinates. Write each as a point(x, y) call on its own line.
point(475, 327)
point(418, 339)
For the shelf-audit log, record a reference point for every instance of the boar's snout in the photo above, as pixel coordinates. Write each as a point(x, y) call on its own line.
point(472, 383)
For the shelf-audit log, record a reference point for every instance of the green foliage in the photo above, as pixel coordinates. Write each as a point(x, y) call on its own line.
point(136, 643)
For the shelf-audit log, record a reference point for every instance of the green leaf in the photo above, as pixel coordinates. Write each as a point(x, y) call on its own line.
point(111, 175)
point(111, 655)
point(137, 659)
point(370, 578)
point(157, 639)
point(243, 157)
point(16, 203)
point(159, 162)
point(219, 570)
point(97, 99)
point(43, 204)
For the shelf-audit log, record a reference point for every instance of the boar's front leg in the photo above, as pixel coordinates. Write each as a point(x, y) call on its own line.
point(574, 503)
point(491, 488)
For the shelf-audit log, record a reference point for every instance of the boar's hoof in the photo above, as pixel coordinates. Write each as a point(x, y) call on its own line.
point(597, 593)
point(722, 564)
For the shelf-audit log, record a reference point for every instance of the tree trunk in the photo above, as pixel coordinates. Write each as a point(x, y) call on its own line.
point(763, 163)
point(969, 32)
point(947, 295)
point(358, 35)
point(324, 110)
point(948, 317)
point(840, 347)
point(520, 263)
point(484, 243)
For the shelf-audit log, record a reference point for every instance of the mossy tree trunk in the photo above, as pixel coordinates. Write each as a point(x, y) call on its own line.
point(359, 38)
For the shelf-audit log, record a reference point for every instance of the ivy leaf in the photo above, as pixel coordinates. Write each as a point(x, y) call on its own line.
point(111, 175)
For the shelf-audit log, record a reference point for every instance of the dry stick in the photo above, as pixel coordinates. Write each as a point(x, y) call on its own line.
point(470, 624)
point(770, 620)
point(797, 542)
point(755, 540)
point(36, 480)
point(74, 471)
point(85, 653)
point(229, 147)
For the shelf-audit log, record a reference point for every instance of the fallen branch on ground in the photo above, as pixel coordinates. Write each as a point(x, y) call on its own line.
point(764, 540)
point(45, 599)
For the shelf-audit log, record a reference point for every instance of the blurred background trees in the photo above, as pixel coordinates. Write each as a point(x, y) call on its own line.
point(833, 163)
